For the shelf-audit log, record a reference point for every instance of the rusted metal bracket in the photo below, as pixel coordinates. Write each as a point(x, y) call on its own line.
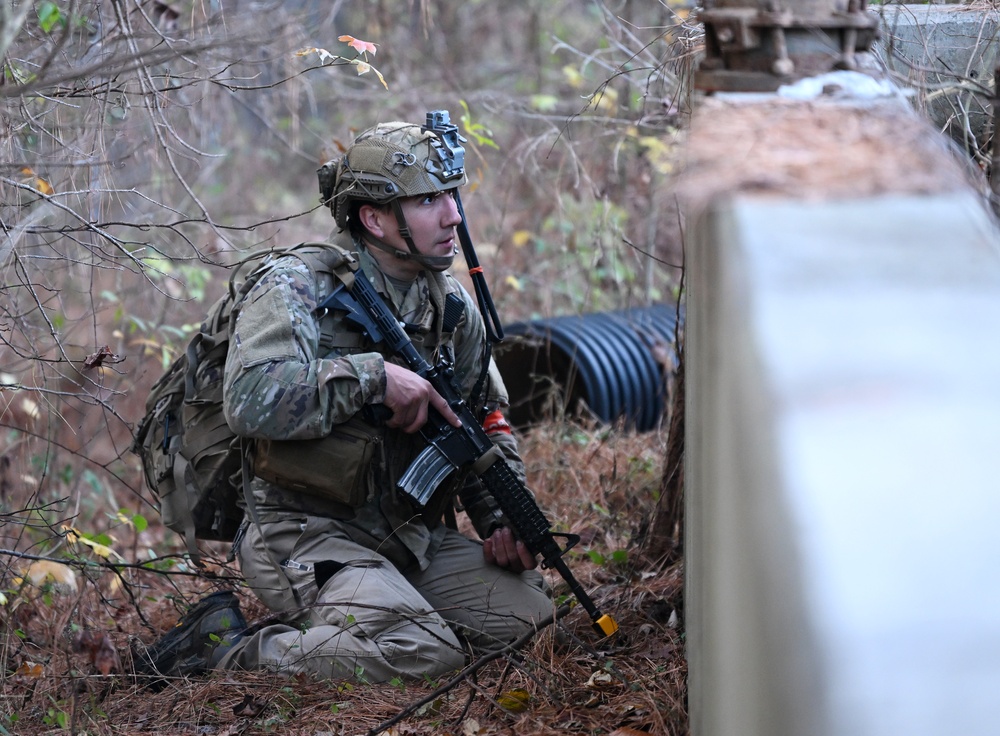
point(758, 46)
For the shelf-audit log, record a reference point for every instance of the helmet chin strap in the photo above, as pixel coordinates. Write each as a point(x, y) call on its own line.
point(434, 263)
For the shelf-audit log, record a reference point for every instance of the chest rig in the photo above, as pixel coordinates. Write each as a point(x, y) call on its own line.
point(432, 311)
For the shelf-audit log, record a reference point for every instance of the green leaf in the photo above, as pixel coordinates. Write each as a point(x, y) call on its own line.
point(478, 131)
point(359, 674)
point(596, 557)
point(544, 103)
point(140, 522)
point(48, 15)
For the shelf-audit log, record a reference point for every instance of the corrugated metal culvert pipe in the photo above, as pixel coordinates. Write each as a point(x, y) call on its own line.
point(607, 366)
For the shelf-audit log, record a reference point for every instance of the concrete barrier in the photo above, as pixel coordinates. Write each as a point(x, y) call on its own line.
point(948, 53)
point(843, 417)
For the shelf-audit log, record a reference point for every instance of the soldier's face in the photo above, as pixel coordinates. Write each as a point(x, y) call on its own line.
point(432, 219)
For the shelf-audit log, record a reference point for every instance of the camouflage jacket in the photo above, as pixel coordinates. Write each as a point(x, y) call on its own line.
point(295, 374)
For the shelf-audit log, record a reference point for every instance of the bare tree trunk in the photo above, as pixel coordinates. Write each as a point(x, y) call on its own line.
point(665, 539)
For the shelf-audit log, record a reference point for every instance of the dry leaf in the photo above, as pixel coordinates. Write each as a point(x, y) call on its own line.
point(48, 572)
point(106, 660)
point(325, 57)
point(600, 680)
point(101, 550)
point(29, 669)
point(38, 182)
point(515, 701)
point(626, 731)
point(75, 536)
point(664, 651)
point(100, 651)
point(513, 282)
point(358, 45)
point(249, 707)
point(102, 357)
point(521, 238)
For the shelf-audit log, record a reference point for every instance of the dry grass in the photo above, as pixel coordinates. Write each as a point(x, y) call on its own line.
point(599, 483)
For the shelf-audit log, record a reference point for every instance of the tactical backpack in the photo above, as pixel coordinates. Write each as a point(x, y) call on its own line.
point(192, 461)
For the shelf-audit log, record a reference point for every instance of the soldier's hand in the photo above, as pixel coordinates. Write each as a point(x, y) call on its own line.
point(408, 396)
point(504, 550)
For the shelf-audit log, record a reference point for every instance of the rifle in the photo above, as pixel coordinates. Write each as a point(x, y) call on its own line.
point(452, 448)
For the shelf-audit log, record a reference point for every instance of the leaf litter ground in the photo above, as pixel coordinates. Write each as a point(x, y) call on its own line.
point(600, 484)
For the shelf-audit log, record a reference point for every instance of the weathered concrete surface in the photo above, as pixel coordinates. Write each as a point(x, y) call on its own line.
point(843, 410)
point(945, 52)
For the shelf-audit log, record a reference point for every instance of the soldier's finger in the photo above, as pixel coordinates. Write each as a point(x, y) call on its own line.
point(528, 561)
point(438, 402)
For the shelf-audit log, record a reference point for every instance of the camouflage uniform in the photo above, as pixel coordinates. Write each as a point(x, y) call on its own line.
point(381, 590)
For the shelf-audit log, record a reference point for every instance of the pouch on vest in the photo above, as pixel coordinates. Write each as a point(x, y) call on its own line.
point(335, 467)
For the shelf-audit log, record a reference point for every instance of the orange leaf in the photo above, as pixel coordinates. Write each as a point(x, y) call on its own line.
point(29, 669)
point(358, 45)
point(39, 183)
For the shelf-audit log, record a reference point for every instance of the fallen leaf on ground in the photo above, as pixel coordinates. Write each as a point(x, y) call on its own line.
point(100, 650)
point(515, 701)
point(29, 669)
point(600, 679)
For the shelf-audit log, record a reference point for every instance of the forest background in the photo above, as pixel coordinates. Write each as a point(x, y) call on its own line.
point(144, 147)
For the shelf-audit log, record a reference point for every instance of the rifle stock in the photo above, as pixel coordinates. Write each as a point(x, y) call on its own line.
point(450, 448)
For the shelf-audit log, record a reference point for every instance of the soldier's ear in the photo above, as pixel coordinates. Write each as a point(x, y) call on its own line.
point(373, 219)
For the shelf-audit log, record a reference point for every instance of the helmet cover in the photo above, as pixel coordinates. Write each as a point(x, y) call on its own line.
point(388, 161)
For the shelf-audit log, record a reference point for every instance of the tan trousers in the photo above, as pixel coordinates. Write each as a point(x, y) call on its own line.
point(369, 621)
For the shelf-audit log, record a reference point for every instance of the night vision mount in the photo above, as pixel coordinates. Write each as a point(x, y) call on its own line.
point(448, 144)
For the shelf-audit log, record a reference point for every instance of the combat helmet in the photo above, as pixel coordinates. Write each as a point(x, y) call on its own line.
point(390, 161)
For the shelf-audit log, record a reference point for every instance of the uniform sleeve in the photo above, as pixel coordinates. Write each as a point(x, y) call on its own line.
point(276, 385)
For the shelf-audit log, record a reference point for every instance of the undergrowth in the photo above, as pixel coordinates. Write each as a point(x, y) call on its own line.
point(68, 637)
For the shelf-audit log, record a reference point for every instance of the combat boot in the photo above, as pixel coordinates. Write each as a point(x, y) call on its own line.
point(212, 623)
